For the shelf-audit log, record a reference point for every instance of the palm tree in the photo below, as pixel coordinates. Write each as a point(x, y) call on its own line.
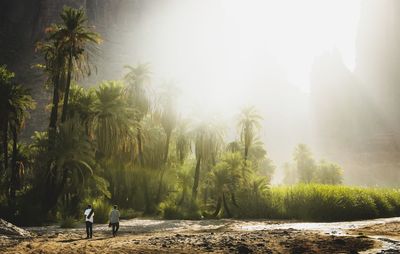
point(208, 138)
point(233, 147)
point(6, 87)
point(81, 106)
point(183, 141)
point(305, 163)
point(22, 102)
point(249, 122)
point(54, 56)
point(72, 158)
point(167, 116)
point(225, 179)
point(137, 79)
point(74, 38)
point(113, 119)
point(184, 178)
point(14, 106)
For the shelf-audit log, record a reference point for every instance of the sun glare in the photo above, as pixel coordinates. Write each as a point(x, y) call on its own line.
point(293, 32)
point(229, 53)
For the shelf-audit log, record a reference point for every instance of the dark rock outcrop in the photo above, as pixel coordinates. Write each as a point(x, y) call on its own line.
point(9, 230)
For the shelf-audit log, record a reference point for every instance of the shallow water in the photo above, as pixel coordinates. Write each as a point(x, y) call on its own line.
point(336, 228)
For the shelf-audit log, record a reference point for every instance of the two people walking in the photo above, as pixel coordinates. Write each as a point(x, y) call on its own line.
point(89, 215)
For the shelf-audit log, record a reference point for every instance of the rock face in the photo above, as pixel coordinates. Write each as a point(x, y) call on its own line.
point(9, 230)
point(22, 24)
point(357, 114)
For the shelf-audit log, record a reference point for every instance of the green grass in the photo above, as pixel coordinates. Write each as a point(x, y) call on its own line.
point(305, 202)
point(314, 202)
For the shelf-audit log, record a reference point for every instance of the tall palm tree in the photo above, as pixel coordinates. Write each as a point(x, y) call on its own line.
point(167, 116)
point(183, 141)
point(54, 56)
point(22, 102)
point(15, 102)
point(137, 79)
point(208, 139)
point(249, 122)
point(6, 86)
point(75, 38)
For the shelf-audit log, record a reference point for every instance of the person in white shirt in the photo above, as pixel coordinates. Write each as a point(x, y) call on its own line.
point(89, 214)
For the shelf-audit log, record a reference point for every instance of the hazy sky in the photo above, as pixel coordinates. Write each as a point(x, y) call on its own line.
point(294, 31)
point(219, 50)
point(224, 54)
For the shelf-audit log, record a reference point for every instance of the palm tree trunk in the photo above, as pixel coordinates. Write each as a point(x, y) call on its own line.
point(167, 147)
point(196, 179)
point(183, 197)
point(54, 111)
point(147, 209)
point(140, 147)
point(218, 208)
point(233, 198)
point(226, 208)
point(53, 191)
point(158, 198)
point(67, 88)
point(14, 172)
point(246, 153)
point(5, 143)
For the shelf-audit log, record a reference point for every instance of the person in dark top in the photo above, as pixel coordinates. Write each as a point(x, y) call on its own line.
point(114, 220)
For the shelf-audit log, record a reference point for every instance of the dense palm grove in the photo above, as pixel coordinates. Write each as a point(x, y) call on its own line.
point(123, 142)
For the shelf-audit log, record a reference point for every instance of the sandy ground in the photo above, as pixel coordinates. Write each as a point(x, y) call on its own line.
point(223, 236)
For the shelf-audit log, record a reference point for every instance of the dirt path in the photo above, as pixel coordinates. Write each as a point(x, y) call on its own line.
point(214, 236)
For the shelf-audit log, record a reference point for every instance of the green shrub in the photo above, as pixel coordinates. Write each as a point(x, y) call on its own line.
point(127, 214)
point(172, 213)
point(193, 212)
point(101, 211)
point(68, 222)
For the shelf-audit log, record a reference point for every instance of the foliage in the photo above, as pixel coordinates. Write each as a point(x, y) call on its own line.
point(305, 163)
point(15, 103)
point(127, 214)
point(333, 203)
point(328, 173)
point(249, 122)
point(68, 222)
point(102, 210)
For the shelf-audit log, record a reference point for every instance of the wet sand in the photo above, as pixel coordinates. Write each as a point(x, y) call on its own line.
point(212, 236)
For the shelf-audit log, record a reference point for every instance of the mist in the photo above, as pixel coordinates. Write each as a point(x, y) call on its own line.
point(224, 55)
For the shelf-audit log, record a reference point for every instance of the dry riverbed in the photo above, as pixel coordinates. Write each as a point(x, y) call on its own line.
point(214, 236)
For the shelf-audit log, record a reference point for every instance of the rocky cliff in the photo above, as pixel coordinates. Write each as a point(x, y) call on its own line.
point(22, 24)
